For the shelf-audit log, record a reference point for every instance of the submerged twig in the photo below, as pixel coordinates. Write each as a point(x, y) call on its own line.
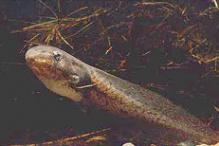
point(72, 140)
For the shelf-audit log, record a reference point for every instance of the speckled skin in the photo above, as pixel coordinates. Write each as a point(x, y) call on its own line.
point(116, 95)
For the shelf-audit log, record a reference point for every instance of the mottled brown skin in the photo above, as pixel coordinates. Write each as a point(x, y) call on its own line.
point(77, 79)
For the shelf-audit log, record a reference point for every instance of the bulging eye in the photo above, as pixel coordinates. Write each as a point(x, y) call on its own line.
point(56, 55)
point(75, 79)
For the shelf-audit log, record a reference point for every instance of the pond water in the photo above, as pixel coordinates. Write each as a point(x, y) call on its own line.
point(31, 113)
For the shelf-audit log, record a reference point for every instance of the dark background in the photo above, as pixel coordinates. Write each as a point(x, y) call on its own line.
point(30, 113)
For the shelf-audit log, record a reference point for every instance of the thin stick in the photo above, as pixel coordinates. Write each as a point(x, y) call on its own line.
point(46, 6)
point(68, 140)
point(215, 3)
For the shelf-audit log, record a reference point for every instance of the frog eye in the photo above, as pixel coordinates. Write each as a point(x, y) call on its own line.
point(56, 55)
point(75, 79)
